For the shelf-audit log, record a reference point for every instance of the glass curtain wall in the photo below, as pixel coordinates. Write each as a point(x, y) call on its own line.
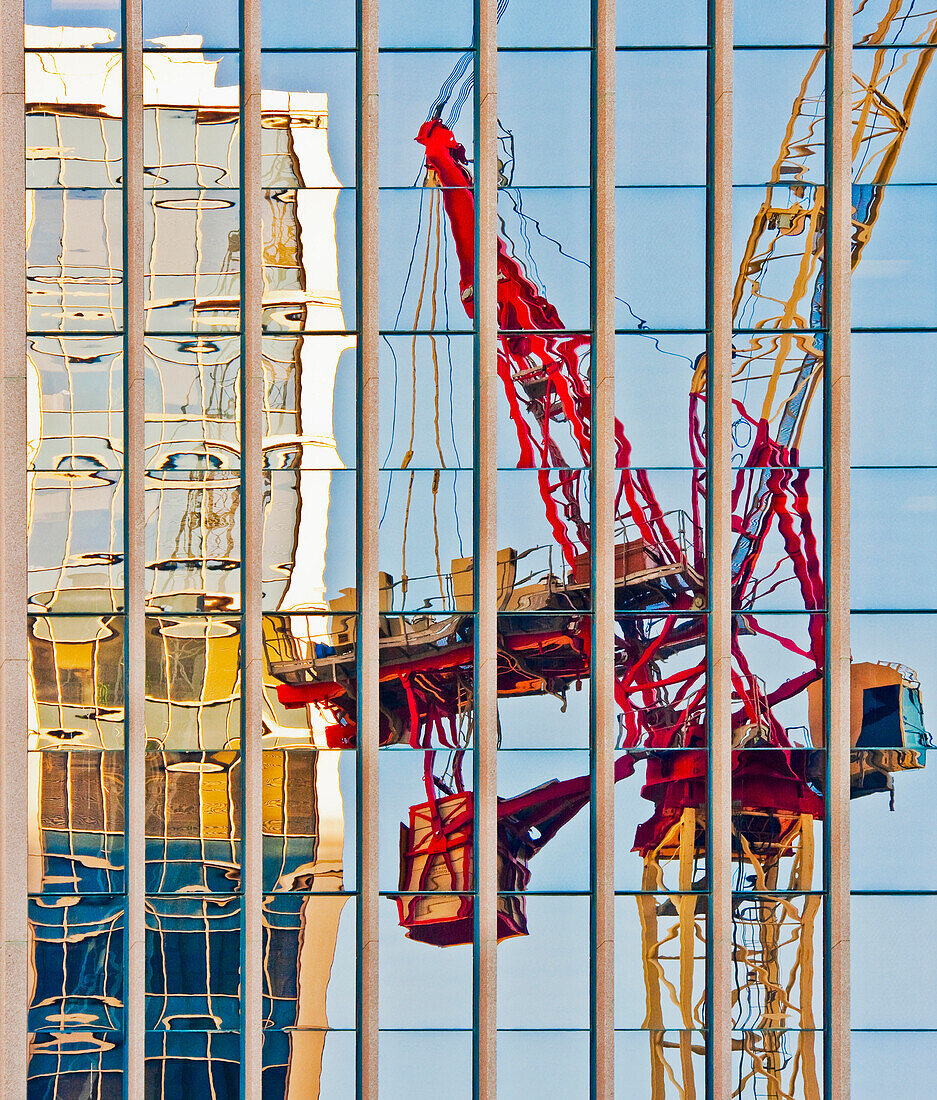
point(196, 901)
point(892, 600)
point(75, 577)
point(781, 200)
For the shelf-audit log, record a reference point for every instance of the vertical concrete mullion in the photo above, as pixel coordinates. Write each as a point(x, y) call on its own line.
point(367, 538)
point(837, 368)
point(719, 435)
point(603, 551)
point(251, 513)
point(486, 545)
point(13, 671)
point(135, 547)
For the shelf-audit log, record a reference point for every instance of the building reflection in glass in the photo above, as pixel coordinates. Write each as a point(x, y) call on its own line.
point(193, 678)
point(427, 626)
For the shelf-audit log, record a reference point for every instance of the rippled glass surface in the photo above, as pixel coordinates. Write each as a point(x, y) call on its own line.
point(75, 1061)
point(73, 144)
point(326, 1057)
point(661, 412)
point(194, 255)
point(660, 265)
point(80, 25)
point(544, 974)
point(320, 23)
point(76, 837)
point(76, 954)
point(193, 485)
point(649, 1055)
point(190, 117)
point(892, 513)
point(309, 971)
point(192, 947)
point(787, 87)
point(422, 288)
point(74, 260)
point(426, 540)
point(74, 401)
point(172, 23)
point(190, 1061)
point(660, 821)
point(76, 539)
point(547, 371)
point(638, 23)
point(307, 288)
point(543, 680)
point(660, 967)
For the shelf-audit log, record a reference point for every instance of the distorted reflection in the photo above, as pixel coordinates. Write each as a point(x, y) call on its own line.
point(427, 596)
point(77, 963)
point(661, 566)
point(192, 591)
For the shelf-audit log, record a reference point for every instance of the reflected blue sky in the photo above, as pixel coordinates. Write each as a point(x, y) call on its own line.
point(661, 283)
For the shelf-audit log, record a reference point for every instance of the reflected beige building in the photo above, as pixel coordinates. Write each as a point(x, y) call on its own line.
point(193, 578)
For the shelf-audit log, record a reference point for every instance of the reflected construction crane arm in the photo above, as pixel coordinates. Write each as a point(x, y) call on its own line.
point(790, 322)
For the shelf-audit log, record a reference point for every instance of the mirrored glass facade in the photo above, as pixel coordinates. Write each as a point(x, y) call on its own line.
point(464, 470)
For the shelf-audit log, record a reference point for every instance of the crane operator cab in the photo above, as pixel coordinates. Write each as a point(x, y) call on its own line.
point(886, 724)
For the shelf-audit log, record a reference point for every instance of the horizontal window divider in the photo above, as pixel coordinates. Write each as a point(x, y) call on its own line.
point(110, 187)
point(660, 331)
point(769, 331)
point(650, 47)
point(542, 1030)
point(777, 611)
point(105, 50)
point(301, 1030)
point(901, 184)
point(892, 893)
point(83, 334)
point(30, 614)
point(760, 894)
point(892, 44)
point(660, 1031)
point(425, 1030)
point(151, 1057)
point(404, 748)
point(542, 750)
point(893, 1030)
point(703, 892)
point(738, 47)
point(893, 611)
point(98, 895)
point(424, 893)
point(818, 1031)
point(235, 49)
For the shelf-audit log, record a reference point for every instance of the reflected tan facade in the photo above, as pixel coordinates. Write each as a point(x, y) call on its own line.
point(76, 684)
point(439, 648)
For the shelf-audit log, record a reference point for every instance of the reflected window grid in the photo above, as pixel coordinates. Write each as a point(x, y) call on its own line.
point(74, 280)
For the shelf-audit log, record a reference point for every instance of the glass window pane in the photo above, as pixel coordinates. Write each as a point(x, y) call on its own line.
point(75, 948)
point(172, 23)
point(890, 989)
point(639, 23)
point(82, 24)
point(74, 260)
point(543, 973)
